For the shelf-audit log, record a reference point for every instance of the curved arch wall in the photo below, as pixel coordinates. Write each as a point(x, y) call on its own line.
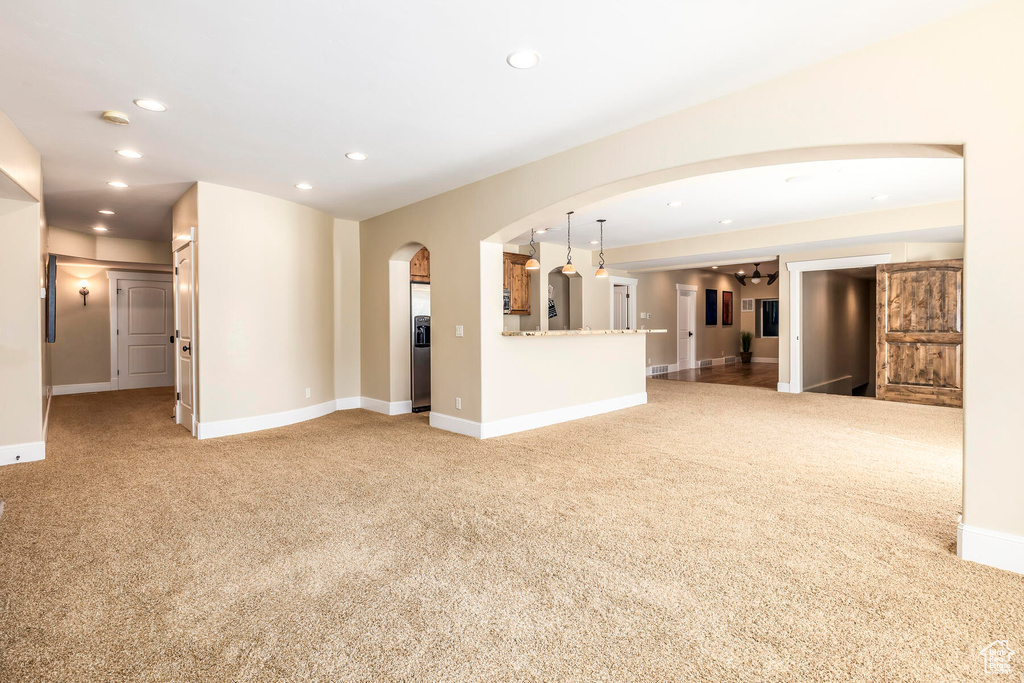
point(952, 83)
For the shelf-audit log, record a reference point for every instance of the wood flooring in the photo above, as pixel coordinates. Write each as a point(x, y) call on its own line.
point(763, 375)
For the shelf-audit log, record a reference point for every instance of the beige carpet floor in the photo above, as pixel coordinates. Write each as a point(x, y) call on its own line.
point(718, 533)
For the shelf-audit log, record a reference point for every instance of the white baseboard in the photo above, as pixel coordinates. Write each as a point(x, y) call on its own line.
point(764, 359)
point(784, 387)
point(522, 423)
point(455, 424)
point(22, 452)
point(242, 425)
point(349, 403)
point(385, 407)
point(993, 548)
point(63, 389)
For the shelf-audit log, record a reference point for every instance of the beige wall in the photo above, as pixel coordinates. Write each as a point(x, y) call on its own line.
point(22, 373)
point(656, 294)
point(81, 354)
point(868, 97)
point(19, 161)
point(100, 248)
point(346, 309)
point(838, 331)
point(763, 348)
point(266, 314)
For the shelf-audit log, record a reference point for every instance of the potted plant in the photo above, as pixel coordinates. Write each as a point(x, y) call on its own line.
point(746, 339)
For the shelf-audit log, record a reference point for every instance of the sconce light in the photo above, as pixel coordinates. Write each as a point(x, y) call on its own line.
point(84, 291)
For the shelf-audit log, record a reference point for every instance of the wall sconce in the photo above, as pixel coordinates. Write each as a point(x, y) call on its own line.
point(84, 291)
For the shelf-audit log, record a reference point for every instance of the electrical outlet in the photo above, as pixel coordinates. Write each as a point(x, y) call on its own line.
point(648, 361)
point(458, 404)
point(458, 330)
point(309, 392)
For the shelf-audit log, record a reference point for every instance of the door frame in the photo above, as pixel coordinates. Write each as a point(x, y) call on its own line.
point(177, 245)
point(796, 283)
point(114, 276)
point(691, 294)
point(630, 283)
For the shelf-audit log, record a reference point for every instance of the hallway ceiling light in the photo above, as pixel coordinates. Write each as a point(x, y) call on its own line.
point(714, 267)
point(595, 241)
point(533, 263)
point(129, 154)
point(880, 197)
point(99, 228)
point(540, 231)
point(106, 212)
point(726, 221)
point(601, 272)
point(357, 156)
point(150, 105)
point(568, 268)
point(523, 59)
point(304, 186)
point(755, 278)
point(675, 204)
point(117, 183)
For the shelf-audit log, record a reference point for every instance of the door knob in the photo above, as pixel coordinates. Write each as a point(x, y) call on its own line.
point(186, 349)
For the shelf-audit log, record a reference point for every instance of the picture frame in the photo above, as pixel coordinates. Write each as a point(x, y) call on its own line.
point(726, 308)
point(710, 306)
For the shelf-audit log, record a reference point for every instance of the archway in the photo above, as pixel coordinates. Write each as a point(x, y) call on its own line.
point(408, 304)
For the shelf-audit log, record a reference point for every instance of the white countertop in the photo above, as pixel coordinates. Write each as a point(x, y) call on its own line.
point(573, 333)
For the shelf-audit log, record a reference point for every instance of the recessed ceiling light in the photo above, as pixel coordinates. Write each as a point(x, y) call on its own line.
point(304, 186)
point(727, 221)
point(117, 183)
point(541, 231)
point(595, 241)
point(880, 197)
point(129, 153)
point(741, 272)
point(356, 156)
point(99, 228)
point(118, 118)
point(675, 204)
point(106, 212)
point(714, 267)
point(523, 59)
point(150, 105)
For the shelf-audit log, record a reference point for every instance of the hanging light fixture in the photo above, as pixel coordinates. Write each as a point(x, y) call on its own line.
point(533, 263)
point(568, 268)
point(601, 272)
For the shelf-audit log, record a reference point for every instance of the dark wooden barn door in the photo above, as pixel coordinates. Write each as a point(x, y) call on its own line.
point(920, 332)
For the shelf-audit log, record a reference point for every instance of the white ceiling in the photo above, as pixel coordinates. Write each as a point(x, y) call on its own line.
point(263, 95)
point(762, 196)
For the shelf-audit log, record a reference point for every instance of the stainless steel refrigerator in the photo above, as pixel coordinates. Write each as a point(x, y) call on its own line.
point(419, 299)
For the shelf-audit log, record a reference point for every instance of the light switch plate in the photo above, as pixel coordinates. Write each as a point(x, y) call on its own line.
point(458, 404)
point(458, 330)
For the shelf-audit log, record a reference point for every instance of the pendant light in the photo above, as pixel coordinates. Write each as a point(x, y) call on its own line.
point(601, 272)
point(568, 268)
point(533, 263)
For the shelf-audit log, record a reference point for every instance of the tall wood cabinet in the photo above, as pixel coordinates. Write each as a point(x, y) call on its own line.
point(517, 282)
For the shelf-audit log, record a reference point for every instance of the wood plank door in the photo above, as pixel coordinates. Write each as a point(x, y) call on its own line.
point(145, 334)
point(920, 332)
point(184, 313)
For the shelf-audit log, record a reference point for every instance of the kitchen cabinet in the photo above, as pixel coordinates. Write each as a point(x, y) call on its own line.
point(517, 282)
point(419, 267)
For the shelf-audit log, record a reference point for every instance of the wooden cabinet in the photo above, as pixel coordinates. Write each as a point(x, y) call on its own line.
point(419, 267)
point(517, 283)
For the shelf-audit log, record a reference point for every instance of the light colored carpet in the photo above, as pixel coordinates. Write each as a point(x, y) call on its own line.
point(718, 533)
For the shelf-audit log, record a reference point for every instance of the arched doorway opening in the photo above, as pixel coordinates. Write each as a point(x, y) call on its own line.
point(409, 325)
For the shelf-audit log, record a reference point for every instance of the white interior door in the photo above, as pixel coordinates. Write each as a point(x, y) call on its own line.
point(184, 311)
point(684, 338)
point(145, 334)
point(621, 307)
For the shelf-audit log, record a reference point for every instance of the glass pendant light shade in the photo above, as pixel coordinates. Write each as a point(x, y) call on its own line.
point(533, 264)
point(755, 280)
point(601, 272)
point(569, 269)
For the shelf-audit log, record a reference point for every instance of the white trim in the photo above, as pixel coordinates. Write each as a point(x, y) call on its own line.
point(784, 387)
point(349, 403)
point(163, 276)
point(796, 269)
point(764, 359)
point(242, 425)
point(993, 548)
point(64, 389)
point(455, 424)
point(522, 423)
point(691, 293)
point(22, 452)
point(384, 407)
point(46, 413)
